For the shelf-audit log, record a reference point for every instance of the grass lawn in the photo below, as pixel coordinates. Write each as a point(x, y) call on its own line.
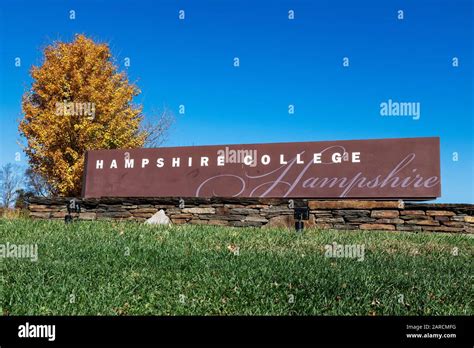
point(107, 268)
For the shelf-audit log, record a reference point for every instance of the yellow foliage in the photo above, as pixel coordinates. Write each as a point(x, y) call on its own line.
point(78, 73)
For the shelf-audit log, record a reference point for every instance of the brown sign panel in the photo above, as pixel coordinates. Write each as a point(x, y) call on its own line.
point(383, 169)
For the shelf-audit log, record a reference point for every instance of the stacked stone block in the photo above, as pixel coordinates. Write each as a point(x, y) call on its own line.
point(271, 212)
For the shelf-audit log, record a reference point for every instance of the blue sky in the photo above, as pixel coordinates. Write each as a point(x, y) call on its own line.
point(282, 62)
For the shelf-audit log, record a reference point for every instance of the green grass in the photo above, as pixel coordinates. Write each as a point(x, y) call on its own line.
point(188, 270)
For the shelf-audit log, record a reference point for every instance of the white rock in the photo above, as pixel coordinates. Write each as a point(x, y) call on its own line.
point(159, 218)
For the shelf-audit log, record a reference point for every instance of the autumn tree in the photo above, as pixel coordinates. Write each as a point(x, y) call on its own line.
point(80, 101)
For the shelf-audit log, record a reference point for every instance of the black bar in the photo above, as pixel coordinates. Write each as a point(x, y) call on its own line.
point(242, 330)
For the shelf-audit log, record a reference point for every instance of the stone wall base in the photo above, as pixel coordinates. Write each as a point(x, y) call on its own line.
point(270, 212)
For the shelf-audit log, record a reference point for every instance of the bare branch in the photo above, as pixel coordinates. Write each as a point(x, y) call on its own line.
point(157, 128)
point(10, 181)
point(36, 184)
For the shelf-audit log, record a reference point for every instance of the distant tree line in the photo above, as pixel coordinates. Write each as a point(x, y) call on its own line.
point(17, 185)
